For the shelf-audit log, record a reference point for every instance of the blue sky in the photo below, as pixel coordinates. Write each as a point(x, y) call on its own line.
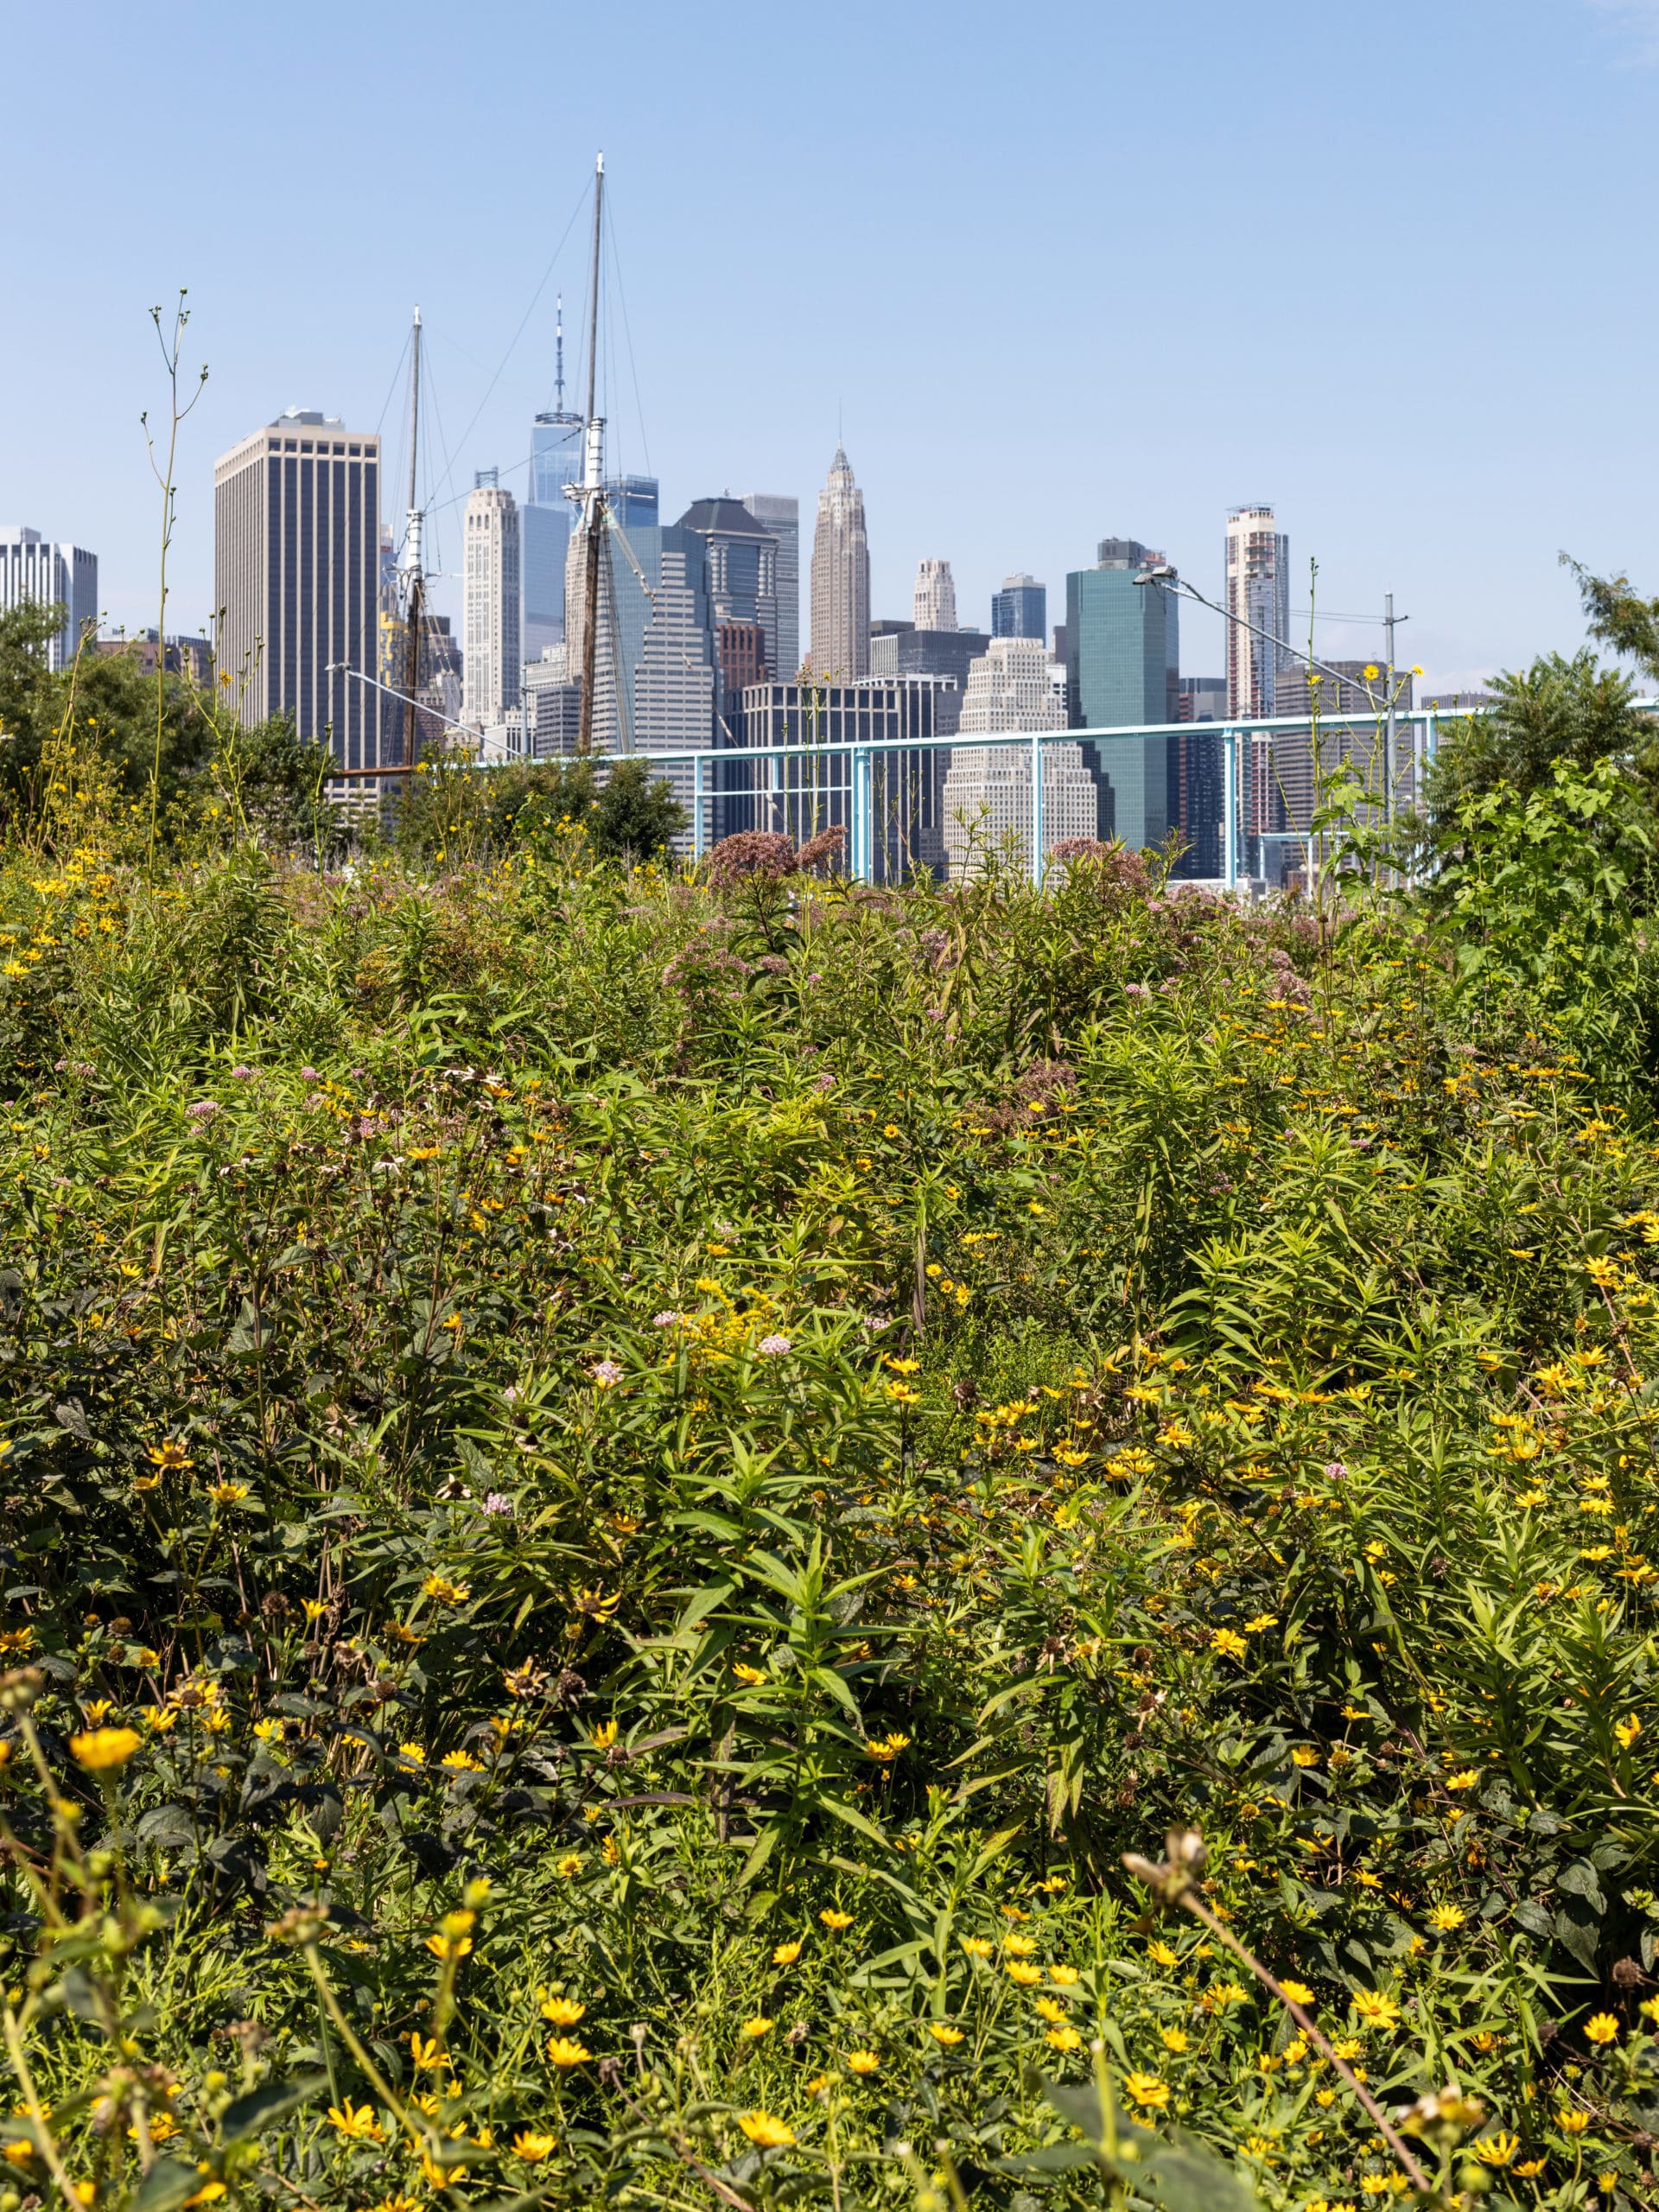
point(1103, 267)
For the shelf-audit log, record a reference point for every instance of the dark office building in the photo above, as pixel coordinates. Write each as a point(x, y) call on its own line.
point(813, 792)
point(1021, 608)
point(898, 651)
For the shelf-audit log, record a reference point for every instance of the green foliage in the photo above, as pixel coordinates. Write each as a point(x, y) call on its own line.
point(456, 810)
point(1557, 713)
point(1620, 617)
point(663, 1478)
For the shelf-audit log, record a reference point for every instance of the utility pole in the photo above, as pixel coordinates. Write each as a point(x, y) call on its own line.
point(414, 593)
point(592, 496)
point(1389, 735)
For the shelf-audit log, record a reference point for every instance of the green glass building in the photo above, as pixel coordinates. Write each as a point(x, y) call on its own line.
point(1122, 664)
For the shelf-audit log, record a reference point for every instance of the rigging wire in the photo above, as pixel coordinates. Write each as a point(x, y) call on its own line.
point(513, 342)
point(633, 371)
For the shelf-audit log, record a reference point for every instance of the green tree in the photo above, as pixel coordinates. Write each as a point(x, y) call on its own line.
point(1620, 616)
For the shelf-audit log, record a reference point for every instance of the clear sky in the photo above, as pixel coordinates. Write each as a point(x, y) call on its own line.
point(1107, 267)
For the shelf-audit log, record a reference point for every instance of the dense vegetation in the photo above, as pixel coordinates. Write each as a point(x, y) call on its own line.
point(622, 1494)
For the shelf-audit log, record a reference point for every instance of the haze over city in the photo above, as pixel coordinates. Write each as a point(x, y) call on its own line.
point(1109, 271)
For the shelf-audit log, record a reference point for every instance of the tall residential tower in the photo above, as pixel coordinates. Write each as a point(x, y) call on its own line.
point(934, 603)
point(492, 664)
point(31, 568)
point(782, 517)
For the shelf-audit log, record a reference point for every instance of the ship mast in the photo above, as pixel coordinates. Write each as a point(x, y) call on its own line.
point(591, 493)
point(413, 592)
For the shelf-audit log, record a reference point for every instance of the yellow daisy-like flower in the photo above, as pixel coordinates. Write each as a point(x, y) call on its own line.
point(531, 2144)
point(1050, 2009)
point(754, 2029)
point(1377, 2009)
point(862, 2062)
point(1023, 1972)
point(1147, 2089)
point(752, 1677)
point(1298, 1992)
point(1496, 2149)
point(1465, 1778)
point(1627, 1731)
point(1445, 1918)
point(564, 2050)
point(831, 1918)
point(1228, 1643)
point(1161, 1954)
point(357, 2123)
point(765, 2130)
point(977, 1947)
point(443, 1591)
point(101, 1750)
point(1064, 2038)
point(1601, 2028)
point(942, 2031)
point(563, 2011)
point(1173, 2039)
point(1067, 1977)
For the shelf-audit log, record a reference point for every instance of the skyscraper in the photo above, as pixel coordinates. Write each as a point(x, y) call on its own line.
point(492, 661)
point(545, 522)
point(1019, 609)
point(903, 650)
point(32, 568)
point(988, 791)
point(840, 580)
point(742, 569)
point(934, 602)
point(1257, 592)
point(296, 576)
point(782, 517)
point(1122, 668)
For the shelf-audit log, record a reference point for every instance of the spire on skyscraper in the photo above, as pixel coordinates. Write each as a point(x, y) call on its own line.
point(840, 578)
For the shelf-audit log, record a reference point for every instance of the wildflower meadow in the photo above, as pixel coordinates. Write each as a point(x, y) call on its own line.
point(679, 1538)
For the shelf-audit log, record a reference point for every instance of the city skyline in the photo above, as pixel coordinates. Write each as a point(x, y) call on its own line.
point(1442, 459)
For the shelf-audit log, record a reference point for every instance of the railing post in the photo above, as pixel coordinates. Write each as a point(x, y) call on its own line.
point(863, 809)
point(697, 839)
point(1037, 808)
point(1229, 808)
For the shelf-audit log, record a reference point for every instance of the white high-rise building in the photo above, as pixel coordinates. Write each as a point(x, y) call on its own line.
point(934, 603)
point(840, 580)
point(1257, 593)
point(33, 569)
point(782, 517)
point(988, 790)
point(491, 669)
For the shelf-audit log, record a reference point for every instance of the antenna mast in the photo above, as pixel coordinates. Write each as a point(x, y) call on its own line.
point(414, 584)
point(592, 496)
point(558, 356)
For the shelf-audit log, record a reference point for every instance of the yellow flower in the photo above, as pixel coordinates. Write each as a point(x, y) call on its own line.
point(1147, 2089)
point(1021, 1946)
point(168, 1457)
point(1601, 2028)
point(1160, 1952)
point(1050, 2009)
point(446, 1948)
point(1627, 1730)
point(1064, 2038)
point(1066, 1976)
point(1529, 2167)
point(461, 1763)
point(751, 1676)
point(942, 2031)
point(1298, 1992)
point(1228, 1643)
point(831, 1918)
point(564, 2051)
point(533, 2147)
point(1377, 2009)
point(1255, 1627)
point(1173, 2038)
point(1302, 1756)
point(764, 2129)
point(1465, 1778)
point(754, 2029)
point(101, 1748)
point(563, 2011)
point(785, 1954)
point(1572, 2123)
point(357, 2123)
point(227, 1493)
point(1496, 2149)
point(977, 1947)
point(1445, 1918)
point(1023, 1972)
point(569, 1864)
point(443, 1591)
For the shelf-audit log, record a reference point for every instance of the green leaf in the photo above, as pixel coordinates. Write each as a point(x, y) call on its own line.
point(271, 2101)
point(165, 2187)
